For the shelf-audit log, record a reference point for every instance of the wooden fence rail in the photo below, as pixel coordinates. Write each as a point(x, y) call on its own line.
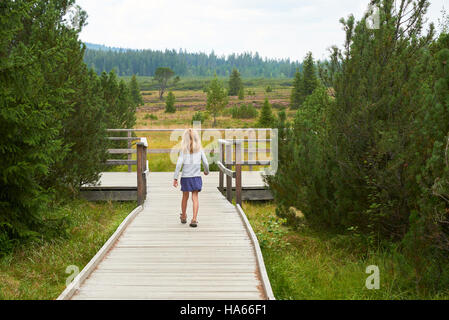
point(141, 163)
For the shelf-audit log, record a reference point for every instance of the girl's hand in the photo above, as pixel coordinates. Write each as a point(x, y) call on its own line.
point(175, 183)
point(206, 173)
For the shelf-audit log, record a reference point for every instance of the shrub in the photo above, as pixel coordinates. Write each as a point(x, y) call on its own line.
point(150, 116)
point(170, 103)
point(244, 111)
point(200, 116)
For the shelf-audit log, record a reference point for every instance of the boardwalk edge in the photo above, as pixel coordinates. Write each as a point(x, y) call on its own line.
point(87, 270)
point(259, 257)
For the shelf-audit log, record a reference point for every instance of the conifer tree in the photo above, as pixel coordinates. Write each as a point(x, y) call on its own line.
point(241, 93)
point(217, 98)
point(135, 91)
point(235, 83)
point(310, 80)
point(170, 103)
point(266, 118)
point(297, 97)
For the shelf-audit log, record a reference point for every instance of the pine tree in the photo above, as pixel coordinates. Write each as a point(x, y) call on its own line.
point(297, 97)
point(135, 91)
point(266, 118)
point(235, 83)
point(170, 103)
point(310, 80)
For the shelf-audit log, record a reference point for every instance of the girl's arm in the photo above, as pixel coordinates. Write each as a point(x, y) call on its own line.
point(205, 163)
point(178, 166)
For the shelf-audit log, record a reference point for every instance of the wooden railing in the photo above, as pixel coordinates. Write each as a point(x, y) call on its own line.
point(225, 165)
point(250, 150)
point(231, 154)
point(141, 161)
point(227, 158)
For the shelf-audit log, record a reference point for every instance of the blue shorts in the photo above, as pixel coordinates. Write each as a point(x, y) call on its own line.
point(189, 184)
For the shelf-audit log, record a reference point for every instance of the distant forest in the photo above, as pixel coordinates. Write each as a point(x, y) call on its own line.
point(127, 62)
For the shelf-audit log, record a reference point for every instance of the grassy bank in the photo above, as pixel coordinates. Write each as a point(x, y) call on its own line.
point(37, 270)
point(308, 264)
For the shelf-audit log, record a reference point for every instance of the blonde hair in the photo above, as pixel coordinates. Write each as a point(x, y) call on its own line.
point(190, 141)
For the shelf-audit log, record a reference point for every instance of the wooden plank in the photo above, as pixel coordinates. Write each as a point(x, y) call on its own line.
point(114, 162)
point(238, 173)
point(129, 147)
point(111, 195)
point(141, 188)
point(124, 138)
point(87, 270)
point(228, 155)
point(122, 151)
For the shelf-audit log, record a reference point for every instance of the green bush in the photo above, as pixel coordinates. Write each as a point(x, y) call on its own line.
point(150, 116)
point(170, 103)
point(244, 111)
point(200, 116)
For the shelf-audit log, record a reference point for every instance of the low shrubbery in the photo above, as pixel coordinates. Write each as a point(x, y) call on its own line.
point(244, 111)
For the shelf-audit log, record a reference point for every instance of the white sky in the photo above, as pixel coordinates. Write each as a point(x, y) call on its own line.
point(274, 28)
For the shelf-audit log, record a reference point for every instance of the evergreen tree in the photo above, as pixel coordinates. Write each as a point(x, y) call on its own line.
point(170, 103)
point(297, 97)
point(241, 93)
point(135, 91)
point(217, 98)
point(235, 83)
point(266, 118)
point(310, 80)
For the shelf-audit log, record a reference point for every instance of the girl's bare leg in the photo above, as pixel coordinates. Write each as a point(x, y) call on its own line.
point(185, 198)
point(195, 204)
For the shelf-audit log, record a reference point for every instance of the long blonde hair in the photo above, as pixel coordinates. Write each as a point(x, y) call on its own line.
point(190, 141)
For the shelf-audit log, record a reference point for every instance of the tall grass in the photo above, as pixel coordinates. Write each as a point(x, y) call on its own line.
point(310, 264)
point(37, 270)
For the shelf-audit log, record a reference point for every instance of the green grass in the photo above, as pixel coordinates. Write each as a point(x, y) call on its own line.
point(309, 264)
point(37, 270)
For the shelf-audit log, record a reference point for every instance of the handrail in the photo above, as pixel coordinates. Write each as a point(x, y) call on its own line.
point(178, 129)
point(141, 161)
point(226, 151)
point(225, 170)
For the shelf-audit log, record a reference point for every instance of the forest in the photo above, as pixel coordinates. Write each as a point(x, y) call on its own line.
point(127, 62)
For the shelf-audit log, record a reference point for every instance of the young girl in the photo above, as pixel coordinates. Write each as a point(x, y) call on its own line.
point(190, 159)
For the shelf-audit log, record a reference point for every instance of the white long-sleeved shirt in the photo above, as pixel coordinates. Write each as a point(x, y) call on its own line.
point(191, 164)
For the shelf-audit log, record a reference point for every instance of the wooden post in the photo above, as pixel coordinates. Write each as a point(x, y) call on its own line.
point(129, 154)
point(221, 174)
point(228, 178)
point(238, 173)
point(251, 148)
point(144, 166)
point(140, 182)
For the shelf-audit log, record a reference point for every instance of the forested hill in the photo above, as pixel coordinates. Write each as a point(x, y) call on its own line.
point(144, 62)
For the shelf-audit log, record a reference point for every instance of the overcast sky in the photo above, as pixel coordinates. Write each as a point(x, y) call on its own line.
point(274, 28)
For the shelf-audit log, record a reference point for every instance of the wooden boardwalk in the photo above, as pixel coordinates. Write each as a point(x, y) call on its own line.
point(157, 257)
